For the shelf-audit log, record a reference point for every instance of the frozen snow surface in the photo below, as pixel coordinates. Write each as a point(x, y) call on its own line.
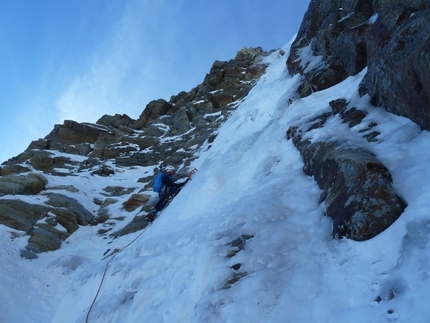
point(246, 240)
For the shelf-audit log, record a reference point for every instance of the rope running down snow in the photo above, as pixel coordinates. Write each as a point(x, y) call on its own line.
point(104, 274)
point(107, 264)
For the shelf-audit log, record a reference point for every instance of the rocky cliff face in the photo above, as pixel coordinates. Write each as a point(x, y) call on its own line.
point(388, 40)
point(338, 39)
point(167, 132)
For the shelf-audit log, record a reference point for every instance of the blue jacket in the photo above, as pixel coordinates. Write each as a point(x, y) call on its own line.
point(168, 182)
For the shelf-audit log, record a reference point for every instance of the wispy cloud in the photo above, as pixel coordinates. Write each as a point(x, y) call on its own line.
point(148, 55)
point(103, 88)
point(117, 78)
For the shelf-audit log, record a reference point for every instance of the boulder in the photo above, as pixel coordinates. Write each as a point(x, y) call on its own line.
point(154, 110)
point(41, 160)
point(254, 54)
point(182, 98)
point(135, 201)
point(254, 72)
point(27, 254)
point(232, 74)
point(13, 169)
point(103, 170)
point(56, 200)
point(29, 184)
point(200, 122)
point(103, 213)
point(116, 121)
point(20, 215)
point(356, 187)
point(73, 133)
point(139, 222)
point(44, 238)
point(66, 218)
point(89, 163)
point(102, 216)
point(205, 106)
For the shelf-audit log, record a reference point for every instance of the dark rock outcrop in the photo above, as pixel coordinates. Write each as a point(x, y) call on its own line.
point(21, 215)
point(139, 222)
point(398, 77)
point(74, 133)
point(41, 160)
point(154, 110)
point(82, 215)
point(13, 169)
point(356, 187)
point(330, 44)
point(135, 201)
point(67, 219)
point(103, 213)
point(116, 121)
point(45, 237)
point(340, 38)
point(29, 184)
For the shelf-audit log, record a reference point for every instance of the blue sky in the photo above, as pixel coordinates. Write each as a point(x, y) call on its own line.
point(82, 59)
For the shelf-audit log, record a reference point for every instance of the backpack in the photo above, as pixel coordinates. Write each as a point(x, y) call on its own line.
point(158, 183)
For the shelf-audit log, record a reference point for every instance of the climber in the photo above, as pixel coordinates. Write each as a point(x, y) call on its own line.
point(168, 189)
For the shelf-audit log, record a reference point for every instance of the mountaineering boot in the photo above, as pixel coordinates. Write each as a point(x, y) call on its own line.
point(151, 215)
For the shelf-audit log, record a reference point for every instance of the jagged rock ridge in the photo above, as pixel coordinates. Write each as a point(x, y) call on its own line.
point(165, 133)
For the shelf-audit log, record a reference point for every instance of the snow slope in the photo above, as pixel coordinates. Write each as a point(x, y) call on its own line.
point(250, 184)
